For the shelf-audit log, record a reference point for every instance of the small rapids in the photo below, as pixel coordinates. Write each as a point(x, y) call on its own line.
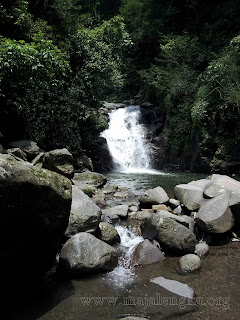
point(123, 274)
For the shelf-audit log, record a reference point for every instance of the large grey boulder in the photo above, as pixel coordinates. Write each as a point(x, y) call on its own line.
point(184, 219)
point(189, 263)
point(121, 211)
point(146, 253)
point(171, 235)
point(89, 181)
point(107, 233)
point(35, 205)
point(29, 147)
point(190, 195)
point(83, 253)
point(154, 196)
point(140, 215)
point(220, 184)
point(85, 214)
point(60, 161)
point(181, 289)
point(215, 215)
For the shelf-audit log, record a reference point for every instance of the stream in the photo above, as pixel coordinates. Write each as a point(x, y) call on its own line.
point(127, 291)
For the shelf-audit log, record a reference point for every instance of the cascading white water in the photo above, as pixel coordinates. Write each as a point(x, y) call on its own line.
point(126, 140)
point(123, 275)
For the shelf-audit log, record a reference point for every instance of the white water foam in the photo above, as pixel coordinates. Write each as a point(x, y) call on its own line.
point(126, 139)
point(123, 274)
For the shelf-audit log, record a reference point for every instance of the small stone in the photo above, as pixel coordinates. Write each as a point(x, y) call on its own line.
point(189, 263)
point(201, 249)
point(160, 207)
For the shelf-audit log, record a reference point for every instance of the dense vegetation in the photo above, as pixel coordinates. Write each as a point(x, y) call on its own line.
point(59, 58)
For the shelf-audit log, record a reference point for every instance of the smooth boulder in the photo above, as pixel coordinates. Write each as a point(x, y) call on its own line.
point(146, 253)
point(34, 210)
point(215, 215)
point(85, 214)
point(220, 184)
point(83, 253)
point(171, 235)
point(60, 161)
point(154, 196)
point(190, 195)
point(189, 263)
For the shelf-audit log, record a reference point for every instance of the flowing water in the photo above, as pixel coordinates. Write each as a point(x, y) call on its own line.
point(126, 139)
point(128, 290)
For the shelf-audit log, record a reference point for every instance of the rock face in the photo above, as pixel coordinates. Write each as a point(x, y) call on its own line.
point(85, 214)
point(189, 263)
point(171, 235)
point(154, 196)
point(174, 286)
point(146, 253)
point(34, 210)
point(108, 233)
point(120, 211)
point(83, 253)
point(29, 147)
point(190, 195)
point(60, 161)
point(215, 215)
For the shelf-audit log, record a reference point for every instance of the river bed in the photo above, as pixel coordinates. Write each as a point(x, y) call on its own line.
point(126, 292)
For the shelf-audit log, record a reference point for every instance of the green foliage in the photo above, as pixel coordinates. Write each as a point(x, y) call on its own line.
point(174, 78)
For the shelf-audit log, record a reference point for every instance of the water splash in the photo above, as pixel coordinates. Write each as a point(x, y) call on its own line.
point(123, 274)
point(126, 139)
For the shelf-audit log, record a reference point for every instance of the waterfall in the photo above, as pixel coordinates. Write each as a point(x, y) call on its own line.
point(126, 140)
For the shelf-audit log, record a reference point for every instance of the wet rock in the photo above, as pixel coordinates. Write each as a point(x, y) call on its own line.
point(190, 263)
point(171, 235)
point(83, 253)
point(174, 286)
point(108, 233)
point(201, 249)
point(85, 214)
point(111, 218)
point(215, 215)
point(121, 211)
point(220, 184)
point(154, 196)
point(140, 215)
point(29, 147)
point(146, 253)
point(190, 195)
point(35, 205)
point(17, 152)
point(59, 160)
